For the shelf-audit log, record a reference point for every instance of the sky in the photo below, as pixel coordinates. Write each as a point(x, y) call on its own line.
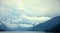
point(35, 7)
point(32, 11)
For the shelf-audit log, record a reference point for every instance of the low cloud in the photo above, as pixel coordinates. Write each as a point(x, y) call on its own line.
point(25, 25)
point(30, 21)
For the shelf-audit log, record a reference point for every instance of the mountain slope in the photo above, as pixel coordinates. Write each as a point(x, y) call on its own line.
point(3, 27)
point(50, 24)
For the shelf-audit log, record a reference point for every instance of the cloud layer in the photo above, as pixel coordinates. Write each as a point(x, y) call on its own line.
point(36, 7)
point(13, 12)
point(24, 21)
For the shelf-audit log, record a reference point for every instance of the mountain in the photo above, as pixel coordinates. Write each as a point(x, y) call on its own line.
point(52, 25)
point(3, 27)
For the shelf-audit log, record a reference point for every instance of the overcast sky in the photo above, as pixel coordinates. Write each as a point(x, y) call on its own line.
point(34, 7)
point(29, 10)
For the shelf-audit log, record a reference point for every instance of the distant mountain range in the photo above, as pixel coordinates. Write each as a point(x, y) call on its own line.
point(52, 25)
